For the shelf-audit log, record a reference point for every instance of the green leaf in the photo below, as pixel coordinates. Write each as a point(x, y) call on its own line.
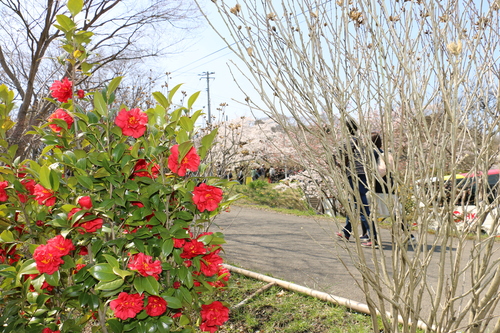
point(148, 284)
point(103, 272)
point(53, 279)
point(65, 23)
point(96, 246)
point(75, 6)
point(206, 143)
point(123, 274)
point(196, 115)
point(186, 123)
point(114, 325)
point(7, 236)
point(118, 151)
point(28, 267)
point(45, 177)
point(164, 324)
point(161, 99)
point(86, 67)
point(172, 92)
point(101, 173)
point(111, 285)
point(99, 104)
point(54, 180)
point(167, 247)
point(85, 181)
point(113, 85)
point(138, 285)
point(173, 302)
point(192, 99)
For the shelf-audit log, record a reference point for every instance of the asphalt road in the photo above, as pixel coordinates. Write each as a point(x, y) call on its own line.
point(303, 250)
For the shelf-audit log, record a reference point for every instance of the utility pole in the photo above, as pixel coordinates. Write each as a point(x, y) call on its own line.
point(207, 75)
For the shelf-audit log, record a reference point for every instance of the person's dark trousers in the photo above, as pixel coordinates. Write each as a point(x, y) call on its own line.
point(365, 209)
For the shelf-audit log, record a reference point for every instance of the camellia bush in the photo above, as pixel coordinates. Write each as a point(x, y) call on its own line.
point(107, 230)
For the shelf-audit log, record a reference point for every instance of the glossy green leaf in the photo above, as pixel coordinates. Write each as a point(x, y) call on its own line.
point(123, 274)
point(75, 6)
point(196, 115)
point(85, 181)
point(7, 236)
point(138, 285)
point(28, 267)
point(113, 85)
point(148, 284)
point(161, 99)
point(54, 179)
point(111, 260)
point(186, 123)
point(167, 247)
point(99, 104)
point(206, 143)
point(192, 99)
point(53, 279)
point(45, 177)
point(114, 325)
point(118, 151)
point(65, 22)
point(173, 302)
point(101, 173)
point(96, 246)
point(172, 92)
point(103, 272)
point(94, 302)
point(164, 323)
point(111, 285)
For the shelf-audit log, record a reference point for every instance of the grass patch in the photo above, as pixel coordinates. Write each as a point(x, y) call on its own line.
point(262, 194)
point(280, 310)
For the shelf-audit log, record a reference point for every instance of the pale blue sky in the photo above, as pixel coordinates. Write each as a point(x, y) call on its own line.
point(206, 52)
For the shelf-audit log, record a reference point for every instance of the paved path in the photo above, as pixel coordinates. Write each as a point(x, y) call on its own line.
point(302, 250)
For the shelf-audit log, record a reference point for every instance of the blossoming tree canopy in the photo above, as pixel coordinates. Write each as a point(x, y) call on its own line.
point(102, 235)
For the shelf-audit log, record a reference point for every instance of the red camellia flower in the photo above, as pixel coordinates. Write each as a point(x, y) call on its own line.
point(133, 122)
point(60, 246)
point(62, 90)
point(127, 305)
point(79, 267)
point(190, 162)
point(192, 249)
point(48, 330)
point(224, 272)
point(179, 242)
point(145, 265)
point(156, 306)
point(85, 202)
point(212, 316)
point(141, 169)
point(207, 197)
point(80, 93)
point(29, 185)
point(83, 251)
point(210, 263)
point(46, 260)
point(88, 226)
point(63, 115)
point(44, 196)
point(3, 193)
